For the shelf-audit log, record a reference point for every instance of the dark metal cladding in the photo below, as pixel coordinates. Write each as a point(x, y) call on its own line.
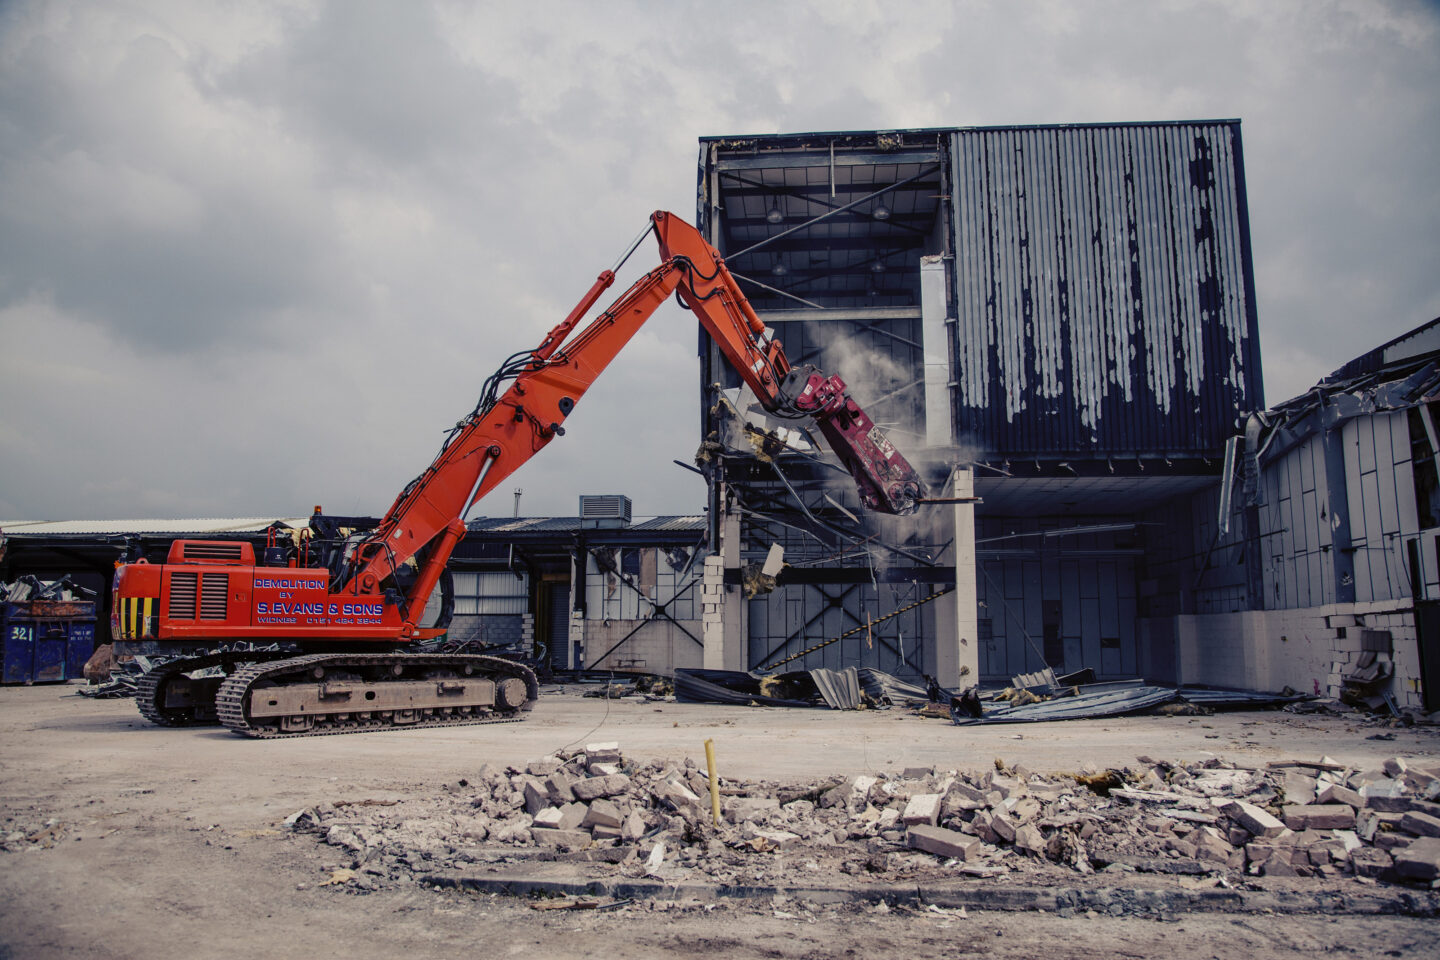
point(1105, 289)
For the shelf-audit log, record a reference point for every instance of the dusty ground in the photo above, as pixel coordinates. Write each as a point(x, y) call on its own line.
point(165, 843)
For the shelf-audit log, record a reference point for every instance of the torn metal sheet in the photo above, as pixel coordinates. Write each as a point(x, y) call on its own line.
point(881, 686)
point(729, 687)
point(1082, 706)
point(1221, 697)
point(840, 688)
point(1117, 698)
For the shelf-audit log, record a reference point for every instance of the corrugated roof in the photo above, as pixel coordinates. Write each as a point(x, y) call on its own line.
point(112, 528)
point(494, 525)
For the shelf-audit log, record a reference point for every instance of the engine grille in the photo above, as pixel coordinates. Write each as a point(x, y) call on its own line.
point(214, 590)
point(182, 596)
point(214, 551)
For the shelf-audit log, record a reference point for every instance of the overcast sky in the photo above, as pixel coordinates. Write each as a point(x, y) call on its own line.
point(258, 256)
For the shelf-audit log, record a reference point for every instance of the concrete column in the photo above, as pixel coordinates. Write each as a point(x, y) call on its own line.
point(723, 617)
point(737, 639)
point(957, 617)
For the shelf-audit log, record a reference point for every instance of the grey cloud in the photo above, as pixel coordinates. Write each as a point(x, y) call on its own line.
point(326, 234)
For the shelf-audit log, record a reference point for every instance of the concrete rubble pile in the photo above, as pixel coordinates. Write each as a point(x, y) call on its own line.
point(1208, 821)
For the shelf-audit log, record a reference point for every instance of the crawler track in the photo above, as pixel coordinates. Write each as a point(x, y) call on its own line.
point(151, 690)
point(318, 711)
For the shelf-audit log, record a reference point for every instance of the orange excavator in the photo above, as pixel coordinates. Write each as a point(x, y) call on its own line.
point(334, 609)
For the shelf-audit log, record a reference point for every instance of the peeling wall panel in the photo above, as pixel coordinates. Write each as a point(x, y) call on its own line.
point(1103, 289)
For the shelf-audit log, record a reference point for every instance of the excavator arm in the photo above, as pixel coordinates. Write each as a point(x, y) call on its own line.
point(506, 429)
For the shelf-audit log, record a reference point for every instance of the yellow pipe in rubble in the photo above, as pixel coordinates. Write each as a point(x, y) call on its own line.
point(714, 780)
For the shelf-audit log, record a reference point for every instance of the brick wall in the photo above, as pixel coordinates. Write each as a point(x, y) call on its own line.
point(1308, 649)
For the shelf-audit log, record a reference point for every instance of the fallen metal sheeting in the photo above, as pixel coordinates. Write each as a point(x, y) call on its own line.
point(881, 686)
point(840, 688)
point(1106, 702)
point(852, 689)
point(837, 689)
point(1119, 698)
point(733, 687)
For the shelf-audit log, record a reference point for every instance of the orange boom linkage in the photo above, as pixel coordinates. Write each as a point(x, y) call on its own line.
point(342, 612)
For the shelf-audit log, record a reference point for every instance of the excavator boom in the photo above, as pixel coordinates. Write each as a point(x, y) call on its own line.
point(505, 430)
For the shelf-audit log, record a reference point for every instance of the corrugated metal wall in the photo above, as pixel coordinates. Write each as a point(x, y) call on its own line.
point(1296, 533)
point(1104, 289)
point(1380, 486)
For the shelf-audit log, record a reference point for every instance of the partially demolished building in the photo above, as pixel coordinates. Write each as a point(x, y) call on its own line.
point(1318, 566)
point(1063, 320)
point(1058, 319)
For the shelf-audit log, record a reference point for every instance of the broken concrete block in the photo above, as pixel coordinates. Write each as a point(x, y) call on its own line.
point(1388, 804)
point(1367, 822)
point(603, 769)
point(549, 818)
point(1279, 867)
point(751, 808)
point(860, 789)
point(922, 808)
point(676, 795)
point(1336, 793)
point(602, 832)
point(558, 786)
point(800, 808)
point(1382, 787)
point(603, 813)
point(1369, 862)
point(1029, 839)
point(1023, 809)
point(1420, 824)
point(537, 797)
point(572, 815)
point(1390, 842)
point(917, 773)
point(542, 768)
point(777, 838)
point(1003, 828)
point(593, 788)
point(1420, 860)
point(561, 839)
point(1299, 789)
point(942, 842)
point(602, 753)
point(1252, 818)
point(963, 789)
point(633, 828)
point(1395, 767)
point(1319, 816)
point(1006, 786)
point(1184, 848)
point(774, 561)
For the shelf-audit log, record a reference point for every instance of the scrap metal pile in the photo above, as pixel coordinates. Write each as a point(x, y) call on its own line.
point(1212, 823)
point(1031, 697)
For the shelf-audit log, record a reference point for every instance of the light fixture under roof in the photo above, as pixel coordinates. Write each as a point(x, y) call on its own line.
point(779, 270)
point(774, 214)
point(877, 266)
point(881, 212)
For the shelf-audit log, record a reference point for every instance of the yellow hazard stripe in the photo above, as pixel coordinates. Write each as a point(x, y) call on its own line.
point(145, 624)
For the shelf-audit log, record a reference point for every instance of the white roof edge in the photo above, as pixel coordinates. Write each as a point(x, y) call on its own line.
point(199, 525)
